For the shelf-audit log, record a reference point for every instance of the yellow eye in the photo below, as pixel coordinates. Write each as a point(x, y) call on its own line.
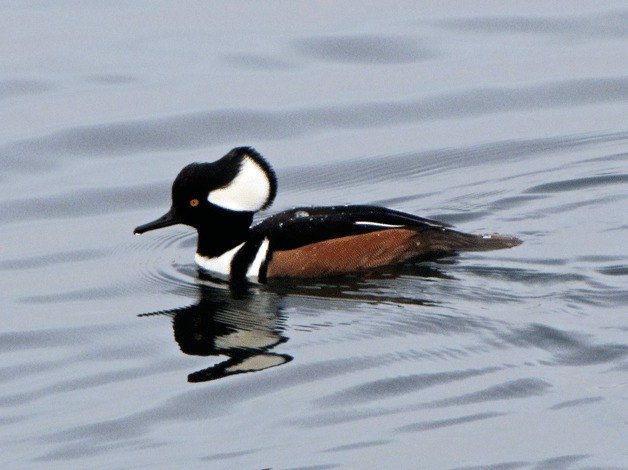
point(194, 202)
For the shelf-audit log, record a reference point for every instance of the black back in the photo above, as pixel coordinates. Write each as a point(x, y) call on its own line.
point(304, 225)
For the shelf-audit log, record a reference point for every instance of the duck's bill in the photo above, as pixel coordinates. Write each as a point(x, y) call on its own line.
point(165, 220)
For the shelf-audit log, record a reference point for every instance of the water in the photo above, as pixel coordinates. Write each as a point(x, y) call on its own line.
point(490, 116)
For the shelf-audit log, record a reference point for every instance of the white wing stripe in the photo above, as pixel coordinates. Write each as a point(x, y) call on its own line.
point(377, 224)
point(253, 270)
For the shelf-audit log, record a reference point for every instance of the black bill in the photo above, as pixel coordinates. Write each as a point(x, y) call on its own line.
point(165, 220)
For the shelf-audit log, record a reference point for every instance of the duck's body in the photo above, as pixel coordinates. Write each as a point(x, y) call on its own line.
point(220, 198)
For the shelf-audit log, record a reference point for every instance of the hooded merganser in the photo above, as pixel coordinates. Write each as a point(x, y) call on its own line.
point(219, 200)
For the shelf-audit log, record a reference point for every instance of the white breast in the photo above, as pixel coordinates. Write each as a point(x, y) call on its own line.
point(221, 265)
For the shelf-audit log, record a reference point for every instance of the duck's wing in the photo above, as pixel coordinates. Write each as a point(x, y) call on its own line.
point(323, 241)
point(305, 225)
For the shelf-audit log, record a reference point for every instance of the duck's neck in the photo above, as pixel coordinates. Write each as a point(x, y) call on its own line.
point(222, 235)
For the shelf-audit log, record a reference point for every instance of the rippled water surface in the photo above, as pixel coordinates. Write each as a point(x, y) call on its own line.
point(492, 116)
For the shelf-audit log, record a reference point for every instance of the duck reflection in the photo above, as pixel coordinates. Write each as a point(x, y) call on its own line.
point(246, 322)
point(243, 324)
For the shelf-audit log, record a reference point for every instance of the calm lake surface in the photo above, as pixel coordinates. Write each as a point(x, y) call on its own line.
point(493, 116)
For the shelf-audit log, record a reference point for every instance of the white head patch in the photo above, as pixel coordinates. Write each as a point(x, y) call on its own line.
point(248, 191)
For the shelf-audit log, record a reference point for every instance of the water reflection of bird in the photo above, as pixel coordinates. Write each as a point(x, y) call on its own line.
point(246, 322)
point(243, 324)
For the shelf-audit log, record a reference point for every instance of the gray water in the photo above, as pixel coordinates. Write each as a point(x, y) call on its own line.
point(492, 116)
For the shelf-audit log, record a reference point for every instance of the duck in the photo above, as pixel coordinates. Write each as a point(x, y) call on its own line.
point(220, 199)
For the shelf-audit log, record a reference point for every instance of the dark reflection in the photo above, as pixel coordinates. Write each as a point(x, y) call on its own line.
point(242, 323)
point(245, 322)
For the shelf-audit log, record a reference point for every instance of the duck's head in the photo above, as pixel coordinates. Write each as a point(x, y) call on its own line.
point(221, 196)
